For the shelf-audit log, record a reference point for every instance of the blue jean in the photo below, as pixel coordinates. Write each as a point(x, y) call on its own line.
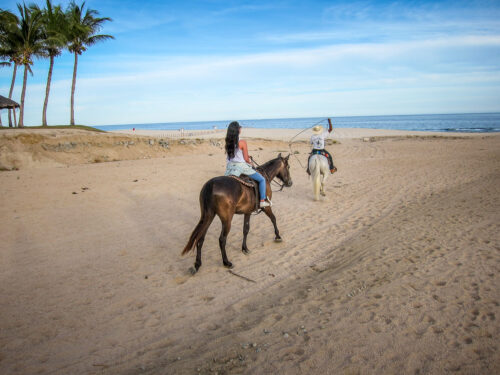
point(262, 184)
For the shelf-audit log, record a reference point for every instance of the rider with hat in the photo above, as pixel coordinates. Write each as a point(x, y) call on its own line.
point(318, 143)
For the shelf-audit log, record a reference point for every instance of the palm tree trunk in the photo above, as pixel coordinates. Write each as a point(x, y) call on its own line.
point(73, 91)
point(47, 92)
point(11, 91)
point(23, 94)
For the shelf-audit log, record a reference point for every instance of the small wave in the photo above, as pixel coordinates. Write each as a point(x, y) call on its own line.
point(472, 130)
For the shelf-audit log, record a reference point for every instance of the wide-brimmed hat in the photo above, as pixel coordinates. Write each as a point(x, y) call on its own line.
point(318, 129)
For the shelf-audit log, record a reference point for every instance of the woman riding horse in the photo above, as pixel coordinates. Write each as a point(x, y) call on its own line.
point(225, 196)
point(238, 161)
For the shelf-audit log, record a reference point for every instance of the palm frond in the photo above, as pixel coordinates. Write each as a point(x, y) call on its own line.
point(98, 38)
point(84, 24)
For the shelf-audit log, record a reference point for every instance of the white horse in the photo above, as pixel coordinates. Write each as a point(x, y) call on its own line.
point(320, 169)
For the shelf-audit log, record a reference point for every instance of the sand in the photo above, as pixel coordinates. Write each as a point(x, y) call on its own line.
point(396, 271)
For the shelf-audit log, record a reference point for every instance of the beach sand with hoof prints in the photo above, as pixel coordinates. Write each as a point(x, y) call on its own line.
point(395, 271)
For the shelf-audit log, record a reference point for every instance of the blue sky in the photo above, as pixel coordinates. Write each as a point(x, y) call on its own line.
point(224, 60)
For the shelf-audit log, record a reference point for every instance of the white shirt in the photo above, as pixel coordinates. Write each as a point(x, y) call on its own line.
point(238, 156)
point(318, 140)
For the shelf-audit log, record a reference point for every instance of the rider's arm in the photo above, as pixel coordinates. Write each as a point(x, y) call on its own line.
point(244, 148)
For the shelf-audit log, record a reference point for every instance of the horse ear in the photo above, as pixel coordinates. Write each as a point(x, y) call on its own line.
point(287, 157)
point(279, 156)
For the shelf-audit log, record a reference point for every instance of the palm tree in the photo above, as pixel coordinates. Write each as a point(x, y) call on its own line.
point(26, 37)
point(83, 27)
point(55, 31)
point(31, 34)
point(2, 64)
point(3, 59)
point(10, 47)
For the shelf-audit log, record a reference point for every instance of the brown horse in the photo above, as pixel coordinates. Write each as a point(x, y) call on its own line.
point(224, 196)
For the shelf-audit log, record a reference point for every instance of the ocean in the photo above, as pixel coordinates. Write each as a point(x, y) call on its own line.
point(468, 122)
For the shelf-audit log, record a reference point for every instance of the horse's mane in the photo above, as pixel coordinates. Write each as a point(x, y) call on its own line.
point(267, 164)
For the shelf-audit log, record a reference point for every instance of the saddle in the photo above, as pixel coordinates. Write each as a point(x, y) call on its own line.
point(247, 181)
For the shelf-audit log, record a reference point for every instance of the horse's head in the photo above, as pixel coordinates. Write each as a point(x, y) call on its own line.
point(284, 171)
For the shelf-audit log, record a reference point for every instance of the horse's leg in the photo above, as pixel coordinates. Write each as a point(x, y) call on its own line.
point(246, 229)
point(324, 176)
point(316, 179)
point(226, 227)
point(269, 212)
point(197, 264)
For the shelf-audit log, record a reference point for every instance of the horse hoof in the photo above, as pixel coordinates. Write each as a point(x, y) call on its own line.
point(228, 265)
point(192, 270)
point(278, 239)
point(245, 251)
point(323, 194)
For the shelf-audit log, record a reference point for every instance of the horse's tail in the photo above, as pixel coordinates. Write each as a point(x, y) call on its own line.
point(207, 215)
point(315, 170)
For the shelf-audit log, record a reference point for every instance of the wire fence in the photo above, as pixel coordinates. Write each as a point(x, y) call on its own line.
point(182, 133)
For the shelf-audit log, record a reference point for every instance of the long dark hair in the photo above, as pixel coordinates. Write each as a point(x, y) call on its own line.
point(232, 138)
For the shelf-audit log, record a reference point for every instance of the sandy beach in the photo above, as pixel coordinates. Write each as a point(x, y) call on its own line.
point(395, 271)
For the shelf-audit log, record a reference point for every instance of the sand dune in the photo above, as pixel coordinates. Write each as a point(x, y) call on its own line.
point(394, 272)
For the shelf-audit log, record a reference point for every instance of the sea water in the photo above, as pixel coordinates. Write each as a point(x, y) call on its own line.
point(469, 123)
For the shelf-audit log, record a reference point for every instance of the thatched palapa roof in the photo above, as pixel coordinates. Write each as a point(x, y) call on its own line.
point(7, 103)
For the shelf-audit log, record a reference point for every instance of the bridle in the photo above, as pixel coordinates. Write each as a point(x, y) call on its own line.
point(259, 168)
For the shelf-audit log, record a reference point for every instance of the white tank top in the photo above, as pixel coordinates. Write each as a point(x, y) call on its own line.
point(238, 156)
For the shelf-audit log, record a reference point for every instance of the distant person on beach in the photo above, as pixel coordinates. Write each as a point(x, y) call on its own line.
point(318, 145)
point(238, 160)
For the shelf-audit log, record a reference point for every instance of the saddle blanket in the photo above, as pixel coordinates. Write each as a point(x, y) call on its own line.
point(320, 152)
point(249, 182)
